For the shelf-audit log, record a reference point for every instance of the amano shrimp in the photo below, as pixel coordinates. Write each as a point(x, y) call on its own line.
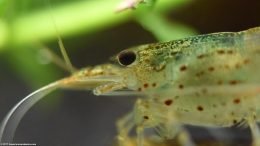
point(206, 80)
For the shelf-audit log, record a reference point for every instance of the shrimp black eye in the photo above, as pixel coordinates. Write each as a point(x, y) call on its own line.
point(126, 57)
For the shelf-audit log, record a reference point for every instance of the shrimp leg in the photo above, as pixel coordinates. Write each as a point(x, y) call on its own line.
point(124, 126)
point(172, 128)
point(254, 130)
point(184, 138)
point(140, 135)
point(168, 128)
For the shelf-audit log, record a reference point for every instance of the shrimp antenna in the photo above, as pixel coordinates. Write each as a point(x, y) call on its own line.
point(60, 42)
point(54, 57)
point(11, 121)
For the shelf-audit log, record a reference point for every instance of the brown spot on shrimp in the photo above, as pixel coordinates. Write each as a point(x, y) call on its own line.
point(168, 102)
point(220, 52)
point(146, 117)
point(183, 68)
point(181, 86)
point(246, 61)
point(233, 82)
point(154, 84)
point(211, 68)
point(236, 101)
point(146, 85)
point(200, 108)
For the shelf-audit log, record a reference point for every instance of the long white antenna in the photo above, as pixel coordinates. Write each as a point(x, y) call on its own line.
point(13, 118)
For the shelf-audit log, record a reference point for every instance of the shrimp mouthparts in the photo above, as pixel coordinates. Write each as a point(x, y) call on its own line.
point(101, 79)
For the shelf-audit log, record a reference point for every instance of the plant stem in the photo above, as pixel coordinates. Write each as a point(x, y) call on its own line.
point(70, 19)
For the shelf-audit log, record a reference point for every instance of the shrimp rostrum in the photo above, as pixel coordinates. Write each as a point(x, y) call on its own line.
point(207, 80)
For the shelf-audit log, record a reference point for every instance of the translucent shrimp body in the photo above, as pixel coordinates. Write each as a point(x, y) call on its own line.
point(205, 80)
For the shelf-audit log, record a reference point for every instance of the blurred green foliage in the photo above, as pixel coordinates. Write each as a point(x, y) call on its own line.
point(26, 23)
